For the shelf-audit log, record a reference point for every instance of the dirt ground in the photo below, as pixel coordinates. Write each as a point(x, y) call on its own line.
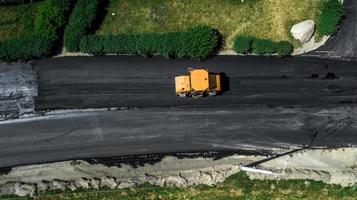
point(335, 166)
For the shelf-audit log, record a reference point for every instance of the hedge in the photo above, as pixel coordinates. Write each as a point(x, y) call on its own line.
point(242, 44)
point(49, 21)
point(198, 43)
point(263, 46)
point(284, 48)
point(331, 14)
point(25, 48)
point(51, 18)
point(249, 44)
point(12, 2)
point(80, 21)
point(15, 2)
point(195, 43)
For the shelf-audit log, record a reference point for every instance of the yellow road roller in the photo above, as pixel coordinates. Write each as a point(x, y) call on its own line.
point(198, 83)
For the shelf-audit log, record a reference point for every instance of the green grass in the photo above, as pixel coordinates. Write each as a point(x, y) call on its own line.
point(259, 18)
point(238, 186)
point(17, 20)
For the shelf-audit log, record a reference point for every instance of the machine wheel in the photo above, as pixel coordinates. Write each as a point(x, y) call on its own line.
point(212, 93)
point(182, 95)
point(197, 95)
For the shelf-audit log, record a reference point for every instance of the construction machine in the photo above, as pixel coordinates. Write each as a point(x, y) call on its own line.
point(198, 83)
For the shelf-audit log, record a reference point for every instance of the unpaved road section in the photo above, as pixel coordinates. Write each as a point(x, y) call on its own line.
point(118, 81)
point(83, 134)
point(337, 166)
point(344, 43)
point(17, 90)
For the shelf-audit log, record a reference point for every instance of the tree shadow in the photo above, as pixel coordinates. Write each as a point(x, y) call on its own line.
point(101, 13)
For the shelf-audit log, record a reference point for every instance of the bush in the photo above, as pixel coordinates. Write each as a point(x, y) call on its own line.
point(12, 2)
point(284, 48)
point(262, 46)
point(51, 18)
point(198, 43)
point(331, 14)
point(242, 44)
point(15, 2)
point(24, 48)
point(249, 44)
point(49, 21)
point(195, 43)
point(80, 21)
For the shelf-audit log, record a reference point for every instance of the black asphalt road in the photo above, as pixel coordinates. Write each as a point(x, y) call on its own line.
point(118, 81)
point(164, 130)
point(344, 43)
point(254, 113)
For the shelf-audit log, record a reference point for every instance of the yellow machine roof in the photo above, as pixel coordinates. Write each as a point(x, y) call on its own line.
point(182, 84)
point(199, 79)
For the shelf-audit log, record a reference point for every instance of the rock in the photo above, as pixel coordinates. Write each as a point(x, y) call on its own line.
point(109, 182)
point(175, 181)
point(72, 186)
point(58, 185)
point(43, 186)
point(125, 184)
point(7, 189)
point(303, 31)
point(205, 178)
point(191, 177)
point(82, 183)
point(94, 183)
point(218, 177)
point(25, 189)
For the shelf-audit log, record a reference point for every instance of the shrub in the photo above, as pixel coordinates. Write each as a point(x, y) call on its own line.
point(284, 48)
point(249, 44)
point(51, 18)
point(263, 46)
point(48, 24)
point(144, 44)
point(331, 14)
point(198, 43)
point(12, 2)
point(80, 21)
point(24, 48)
point(242, 44)
point(195, 43)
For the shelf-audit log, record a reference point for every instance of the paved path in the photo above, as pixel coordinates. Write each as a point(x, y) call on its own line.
point(344, 43)
point(145, 131)
point(96, 82)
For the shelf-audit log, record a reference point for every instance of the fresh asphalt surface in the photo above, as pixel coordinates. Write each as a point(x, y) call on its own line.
point(271, 103)
point(119, 81)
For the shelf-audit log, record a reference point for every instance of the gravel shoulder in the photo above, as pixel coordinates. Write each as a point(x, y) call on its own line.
point(17, 90)
point(334, 166)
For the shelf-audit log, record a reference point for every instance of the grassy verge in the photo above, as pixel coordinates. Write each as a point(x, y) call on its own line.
point(17, 20)
point(258, 18)
point(331, 15)
point(235, 187)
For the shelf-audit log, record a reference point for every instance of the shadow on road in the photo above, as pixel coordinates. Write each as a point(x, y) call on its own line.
point(284, 154)
point(224, 82)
